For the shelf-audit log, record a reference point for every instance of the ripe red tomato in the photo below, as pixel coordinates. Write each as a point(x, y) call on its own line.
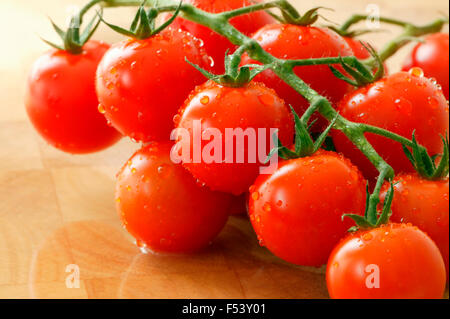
point(215, 44)
point(400, 103)
point(423, 203)
point(432, 57)
point(142, 83)
point(297, 211)
point(162, 206)
point(298, 42)
point(62, 104)
point(395, 261)
point(251, 108)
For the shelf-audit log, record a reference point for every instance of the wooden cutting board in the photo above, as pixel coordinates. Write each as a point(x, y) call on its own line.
point(57, 210)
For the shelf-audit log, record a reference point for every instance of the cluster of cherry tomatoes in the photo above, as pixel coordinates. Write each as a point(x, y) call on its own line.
point(144, 88)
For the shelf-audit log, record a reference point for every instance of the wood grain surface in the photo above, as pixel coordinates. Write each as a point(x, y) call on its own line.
point(58, 210)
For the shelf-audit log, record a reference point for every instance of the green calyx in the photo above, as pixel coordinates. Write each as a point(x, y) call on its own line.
point(305, 145)
point(372, 218)
point(144, 23)
point(73, 39)
point(358, 73)
point(235, 75)
point(425, 164)
point(291, 16)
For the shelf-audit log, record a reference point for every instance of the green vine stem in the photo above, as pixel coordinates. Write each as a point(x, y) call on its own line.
point(284, 69)
point(410, 32)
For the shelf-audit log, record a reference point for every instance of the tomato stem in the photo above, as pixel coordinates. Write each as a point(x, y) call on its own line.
point(410, 32)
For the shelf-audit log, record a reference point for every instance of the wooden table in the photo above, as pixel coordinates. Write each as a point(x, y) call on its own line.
point(57, 210)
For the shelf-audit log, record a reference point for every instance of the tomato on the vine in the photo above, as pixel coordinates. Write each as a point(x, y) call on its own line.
point(142, 83)
point(163, 207)
point(402, 103)
point(297, 211)
point(423, 203)
point(61, 101)
point(215, 44)
point(287, 41)
point(432, 56)
point(253, 109)
point(394, 261)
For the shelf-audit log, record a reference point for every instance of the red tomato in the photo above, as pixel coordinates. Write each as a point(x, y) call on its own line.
point(395, 261)
point(142, 83)
point(297, 211)
point(400, 103)
point(423, 203)
point(221, 109)
point(215, 44)
point(297, 42)
point(162, 206)
point(433, 58)
point(62, 104)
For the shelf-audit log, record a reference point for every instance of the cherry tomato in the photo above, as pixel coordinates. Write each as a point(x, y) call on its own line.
point(162, 206)
point(297, 211)
point(401, 103)
point(432, 57)
point(254, 109)
point(423, 203)
point(215, 44)
point(395, 261)
point(298, 42)
point(142, 83)
point(61, 100)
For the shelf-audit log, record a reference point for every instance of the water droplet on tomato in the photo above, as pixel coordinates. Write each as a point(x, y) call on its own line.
point(113, 70)
point(101, 108)
point(417, 72)
point(176, 119)
point(204, 100)
point(267, 207)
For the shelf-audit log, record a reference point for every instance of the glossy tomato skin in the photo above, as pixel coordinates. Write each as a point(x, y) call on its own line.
point(298, 42)
point(61, 101)
point(401, 103)
point(162, 206)
point(407, 261)
point(249, 108)
point(142, 83)
point(297, 211)
point(424, 204)
point(432, 57)
point(215, 44)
